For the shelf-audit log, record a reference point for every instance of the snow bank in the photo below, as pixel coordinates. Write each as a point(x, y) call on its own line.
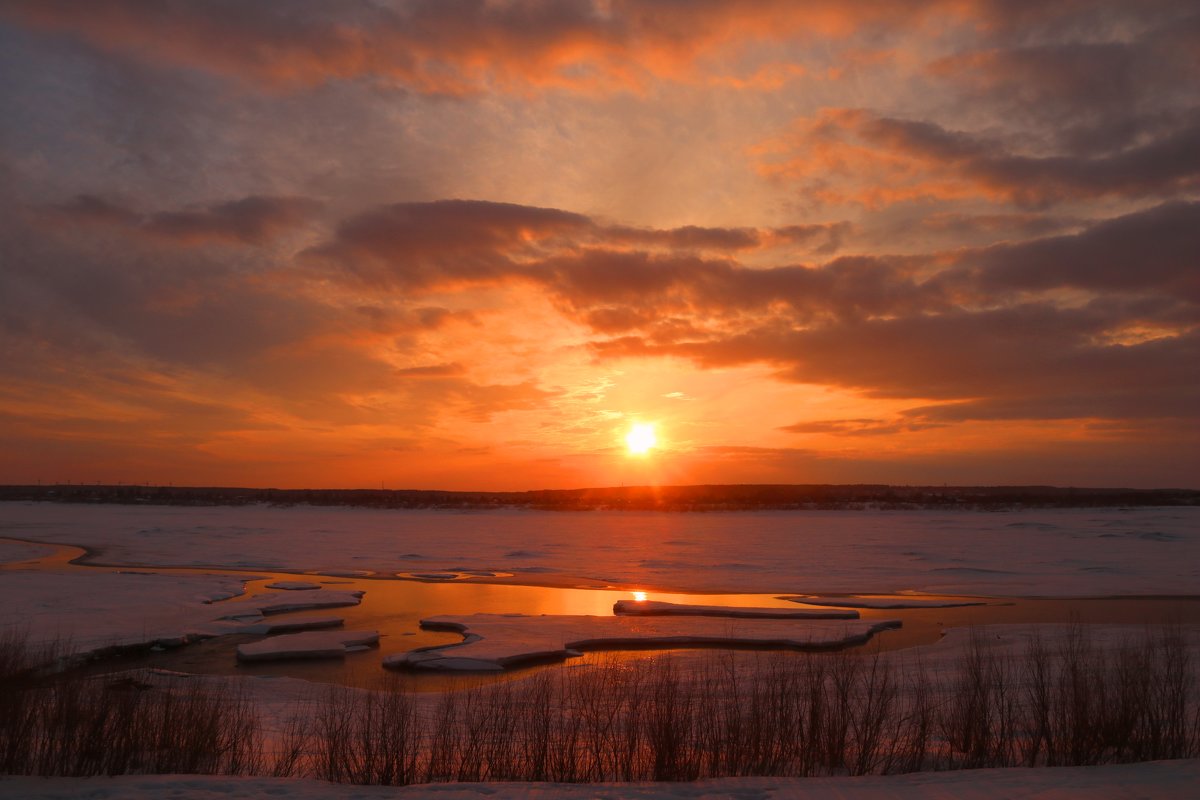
point(658, 608)
point(1163, 780)
point(294, 586)
point(493, 642)
point(91, 610)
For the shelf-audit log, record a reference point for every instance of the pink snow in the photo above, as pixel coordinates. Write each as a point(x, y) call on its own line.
point(1162, 780)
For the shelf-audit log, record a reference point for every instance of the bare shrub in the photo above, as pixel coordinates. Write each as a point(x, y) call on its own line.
point(978, 716)
point(55, 722)
point(660, 718)
point(366, 737)
point(292, 752)
point(1136, 701)
point(821, 714)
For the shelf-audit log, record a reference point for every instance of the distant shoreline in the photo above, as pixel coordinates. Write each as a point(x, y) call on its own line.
point(700, 498)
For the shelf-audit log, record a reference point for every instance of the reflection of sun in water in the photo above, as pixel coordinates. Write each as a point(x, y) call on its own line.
point(639, 597)
point(641, 438)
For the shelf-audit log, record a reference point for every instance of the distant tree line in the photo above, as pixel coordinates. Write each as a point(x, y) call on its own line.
point(733, 497)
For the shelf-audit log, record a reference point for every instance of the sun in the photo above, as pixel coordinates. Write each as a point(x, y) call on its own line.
point(641, 438)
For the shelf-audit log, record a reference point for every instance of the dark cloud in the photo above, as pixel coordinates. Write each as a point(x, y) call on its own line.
point(1130, 405)
point(1155, 249)
point(961, 226)
point(1161, 166)
point(87, 209)
point(420, 245)
point(1088, 95)
point(1041, 355)
point(935, 326)
point(453, 229)
point(448, 243)
point(689, 237)
point(615, 286)
point(250, 220)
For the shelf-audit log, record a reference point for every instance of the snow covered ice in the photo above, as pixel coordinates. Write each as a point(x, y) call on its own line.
point(498, 641)
point(658, 608)
point(1043, 552)
point(311, 644)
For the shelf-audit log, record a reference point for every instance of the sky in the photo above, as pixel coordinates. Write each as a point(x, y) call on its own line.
point(470, 244)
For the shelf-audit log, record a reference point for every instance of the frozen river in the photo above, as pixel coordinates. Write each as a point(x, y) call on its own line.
point(1089, 552)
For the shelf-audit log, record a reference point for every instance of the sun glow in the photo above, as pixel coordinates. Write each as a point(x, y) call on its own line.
point(639, 597)
point(640, 438)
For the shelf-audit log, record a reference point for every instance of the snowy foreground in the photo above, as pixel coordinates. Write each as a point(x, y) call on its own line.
point(1163, 780)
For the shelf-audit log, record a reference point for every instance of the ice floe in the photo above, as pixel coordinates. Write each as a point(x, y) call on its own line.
point(293, 624)
point(294, 586)
point(311, 644)
point(658, 608)
point(281, 604)
point(92, 610)
point(493, 642)
point(882, 602)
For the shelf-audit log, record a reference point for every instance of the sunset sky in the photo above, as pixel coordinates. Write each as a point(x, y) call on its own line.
point(469, 244)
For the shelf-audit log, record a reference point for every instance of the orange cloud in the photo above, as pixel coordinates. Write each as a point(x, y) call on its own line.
point(461, 46)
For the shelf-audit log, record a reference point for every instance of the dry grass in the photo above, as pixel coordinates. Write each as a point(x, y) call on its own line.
point(1070, 701)
point(65, 723)
point(780, 715)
